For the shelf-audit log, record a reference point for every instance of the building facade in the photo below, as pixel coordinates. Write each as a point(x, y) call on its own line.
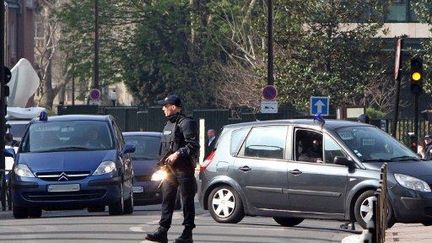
point(19, 31)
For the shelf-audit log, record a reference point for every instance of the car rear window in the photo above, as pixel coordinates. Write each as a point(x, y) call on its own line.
point(237, 137)
point(68, 136)
point(266, 142)
point(146, 147)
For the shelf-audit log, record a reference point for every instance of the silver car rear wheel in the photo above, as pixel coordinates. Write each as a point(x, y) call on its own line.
point(225, 205)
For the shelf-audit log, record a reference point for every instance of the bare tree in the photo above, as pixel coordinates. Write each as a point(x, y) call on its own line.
point(381, 93)
point(239, 86)
point(47, 53)
point(240, 83)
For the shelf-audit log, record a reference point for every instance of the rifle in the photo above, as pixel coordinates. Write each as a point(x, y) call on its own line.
point(165, 166)
point(162, 162)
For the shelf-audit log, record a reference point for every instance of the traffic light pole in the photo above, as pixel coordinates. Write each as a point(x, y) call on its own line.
point(2, 110)
point(416, 116)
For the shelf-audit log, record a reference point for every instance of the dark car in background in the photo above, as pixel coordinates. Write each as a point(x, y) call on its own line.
point(144, 159)
point(17, 128)
point(72, 162)
point(296, 169)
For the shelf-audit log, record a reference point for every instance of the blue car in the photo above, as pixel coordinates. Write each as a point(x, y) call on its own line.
point(145, 158)
point(72, 162)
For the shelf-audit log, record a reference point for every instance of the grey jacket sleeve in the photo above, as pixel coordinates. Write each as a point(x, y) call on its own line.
point(189, 130)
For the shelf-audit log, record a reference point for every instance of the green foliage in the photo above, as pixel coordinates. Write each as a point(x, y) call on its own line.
point(77, 18)
point(159, 47)
point(318, 51)
point(375, 114)
point(423, 9)
point(162, 59)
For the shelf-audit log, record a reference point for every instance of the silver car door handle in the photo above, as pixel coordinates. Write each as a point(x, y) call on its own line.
point(295, 172)
point(245, 168)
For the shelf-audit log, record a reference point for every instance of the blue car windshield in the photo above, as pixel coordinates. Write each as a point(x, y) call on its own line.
point(67, 136)
point(371, 144)
point(146, 147)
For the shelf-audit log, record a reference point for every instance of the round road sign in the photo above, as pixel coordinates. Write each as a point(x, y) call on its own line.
point(95, 94)
point(269, 92)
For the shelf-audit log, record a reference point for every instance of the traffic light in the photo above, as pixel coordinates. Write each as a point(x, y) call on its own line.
point(416, 75)
point(7, 78)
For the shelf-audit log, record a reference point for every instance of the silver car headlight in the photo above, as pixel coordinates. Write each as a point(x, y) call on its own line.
point(412, 183)
point(105, 168)
point(23, 171)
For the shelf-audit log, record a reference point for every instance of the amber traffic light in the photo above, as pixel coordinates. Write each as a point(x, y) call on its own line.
point(416, 75)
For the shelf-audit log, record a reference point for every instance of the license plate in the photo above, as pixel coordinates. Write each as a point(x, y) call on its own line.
point(64, 188)
point(138, 189)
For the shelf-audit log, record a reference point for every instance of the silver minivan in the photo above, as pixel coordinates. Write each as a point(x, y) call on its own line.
point(296, 169)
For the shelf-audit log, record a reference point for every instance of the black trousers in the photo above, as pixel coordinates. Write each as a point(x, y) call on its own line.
point(185, 181)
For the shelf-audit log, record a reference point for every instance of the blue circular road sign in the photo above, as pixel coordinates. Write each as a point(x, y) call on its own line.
point(95, 94)
point(269, 92)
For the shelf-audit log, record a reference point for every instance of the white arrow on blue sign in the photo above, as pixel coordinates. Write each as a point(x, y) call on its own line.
point(319, 104)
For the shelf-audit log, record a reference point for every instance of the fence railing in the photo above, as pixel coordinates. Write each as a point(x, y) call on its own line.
point(132, 118)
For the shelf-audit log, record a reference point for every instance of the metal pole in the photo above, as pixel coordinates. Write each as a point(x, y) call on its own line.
point(96, 46)
point(416, 116)
point(73, 89)
point(2, 108)
point(396, 104)
point(270, 79)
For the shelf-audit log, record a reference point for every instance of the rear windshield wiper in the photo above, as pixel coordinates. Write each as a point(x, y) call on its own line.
point(404, 158)
point(72, 148)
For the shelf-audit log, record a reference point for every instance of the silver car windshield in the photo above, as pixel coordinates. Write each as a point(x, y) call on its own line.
point(67, 136)
point(371, 144)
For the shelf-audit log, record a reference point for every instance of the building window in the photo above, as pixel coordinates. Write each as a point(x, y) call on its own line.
point(401, 11)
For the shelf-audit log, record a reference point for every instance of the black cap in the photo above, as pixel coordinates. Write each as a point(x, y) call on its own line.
point(428, 136)
point(172, 100)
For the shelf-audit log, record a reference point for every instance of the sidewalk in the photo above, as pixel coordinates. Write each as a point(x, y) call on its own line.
point(5, 214)
point(404, 233)
point(401, 233)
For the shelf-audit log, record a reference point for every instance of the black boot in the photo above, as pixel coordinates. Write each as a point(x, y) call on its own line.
point(160, 235)
point(186, 236)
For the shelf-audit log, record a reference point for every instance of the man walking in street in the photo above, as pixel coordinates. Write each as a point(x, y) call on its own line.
point(179, 147)
point(211, 141)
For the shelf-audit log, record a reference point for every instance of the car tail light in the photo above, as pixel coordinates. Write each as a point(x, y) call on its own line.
point(207, 161)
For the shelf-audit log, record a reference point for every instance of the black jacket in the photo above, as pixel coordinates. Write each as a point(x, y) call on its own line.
point(209, 148)
point(181, 134)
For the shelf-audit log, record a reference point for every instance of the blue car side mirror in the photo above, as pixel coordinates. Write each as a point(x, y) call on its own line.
point(128, 148)
point(9, 152)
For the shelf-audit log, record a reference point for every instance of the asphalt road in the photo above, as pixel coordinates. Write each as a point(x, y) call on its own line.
point(80, 226)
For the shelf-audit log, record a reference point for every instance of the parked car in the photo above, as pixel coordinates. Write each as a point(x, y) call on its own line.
point(72, 162)
point(17, 128)
point(145, 158)
point(296, 169)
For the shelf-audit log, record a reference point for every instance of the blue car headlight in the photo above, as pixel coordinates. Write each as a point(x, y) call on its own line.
point(105, 168)
point(412, 183)
point(23, 171)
